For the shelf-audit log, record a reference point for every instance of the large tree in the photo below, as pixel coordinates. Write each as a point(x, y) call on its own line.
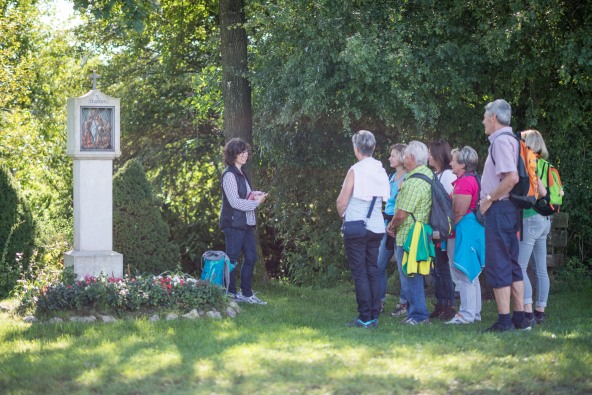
point(236, 91)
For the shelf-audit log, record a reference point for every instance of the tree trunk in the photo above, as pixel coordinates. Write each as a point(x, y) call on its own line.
point(236, 91)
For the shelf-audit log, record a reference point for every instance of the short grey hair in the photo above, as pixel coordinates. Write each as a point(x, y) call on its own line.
point(466, 156)
point(501, 109)
point(365, 142)
point(419, 151)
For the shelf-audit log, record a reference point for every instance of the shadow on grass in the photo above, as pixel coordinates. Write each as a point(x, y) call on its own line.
point(297, 344)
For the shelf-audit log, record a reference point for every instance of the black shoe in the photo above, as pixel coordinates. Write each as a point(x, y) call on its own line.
point(540, 317)
point(358, 323)
point(531, 321)
point(525, 325)
point(448, 313)
point(437, 311)
point(498, 327)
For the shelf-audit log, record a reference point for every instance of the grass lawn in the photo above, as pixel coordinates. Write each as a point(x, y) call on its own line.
point(299, 345)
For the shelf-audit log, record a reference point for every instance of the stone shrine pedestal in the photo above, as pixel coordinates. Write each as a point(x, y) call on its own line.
point(93, 143)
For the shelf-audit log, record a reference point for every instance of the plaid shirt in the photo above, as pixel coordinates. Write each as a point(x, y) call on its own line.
point(415, 197)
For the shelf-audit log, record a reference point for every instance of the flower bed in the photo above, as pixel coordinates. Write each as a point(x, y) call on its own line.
point(121, 295)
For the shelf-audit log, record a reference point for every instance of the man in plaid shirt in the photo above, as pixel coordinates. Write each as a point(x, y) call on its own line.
point(414, 201)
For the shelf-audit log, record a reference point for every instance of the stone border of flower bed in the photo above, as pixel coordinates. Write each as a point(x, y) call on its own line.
point(231, 311)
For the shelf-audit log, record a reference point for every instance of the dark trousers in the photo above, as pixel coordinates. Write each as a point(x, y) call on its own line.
point(237, 241)
point(362, 257)
point(444, 286)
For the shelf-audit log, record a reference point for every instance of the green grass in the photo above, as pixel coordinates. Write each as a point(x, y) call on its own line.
point(298, 345)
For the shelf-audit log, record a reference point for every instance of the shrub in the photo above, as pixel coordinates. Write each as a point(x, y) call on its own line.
point(17, 233)
point(119, 295)
point(139, 231)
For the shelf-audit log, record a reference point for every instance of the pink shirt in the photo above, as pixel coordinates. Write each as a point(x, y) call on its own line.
point(505, 150)
point(467, 185)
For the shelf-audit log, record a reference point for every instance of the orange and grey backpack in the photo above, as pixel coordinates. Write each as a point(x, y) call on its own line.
point(526, 192)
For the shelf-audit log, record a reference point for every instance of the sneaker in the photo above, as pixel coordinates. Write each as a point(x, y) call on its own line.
point(448, 313)
point(239, 297)
point(457, 319)
point(400, 309)
point(358, 323)
point(498, 327)
point(540, 317)
point(249, 299)
point(525, 325)
point(412, 321)
point(374, 323)
point(437, 311)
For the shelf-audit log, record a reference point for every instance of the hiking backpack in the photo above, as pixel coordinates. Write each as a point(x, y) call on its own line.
point(441, 214)
point(216, 268)
point(526, 192)
point(552, 201)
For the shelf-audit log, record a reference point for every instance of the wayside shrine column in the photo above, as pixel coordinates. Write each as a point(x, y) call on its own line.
point(93, 143)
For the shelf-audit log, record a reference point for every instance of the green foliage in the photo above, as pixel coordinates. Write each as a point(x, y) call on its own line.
point(302, 205)
point(139, 231)
point(16, 45)
point(191, 197)
point(411, 70)
point(167, 75)
point(574, 274)
point(17, 233)
point(117, 295)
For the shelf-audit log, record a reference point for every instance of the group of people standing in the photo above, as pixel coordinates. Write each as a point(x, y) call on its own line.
point(486, 226)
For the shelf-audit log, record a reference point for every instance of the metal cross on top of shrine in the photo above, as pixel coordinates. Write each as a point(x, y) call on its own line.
point(94, 77)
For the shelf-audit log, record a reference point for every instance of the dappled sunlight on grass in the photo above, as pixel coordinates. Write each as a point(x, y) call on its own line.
point(297, 344)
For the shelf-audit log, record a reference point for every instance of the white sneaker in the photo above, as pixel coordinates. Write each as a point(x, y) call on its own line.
point(458, 319)
point(249, 299)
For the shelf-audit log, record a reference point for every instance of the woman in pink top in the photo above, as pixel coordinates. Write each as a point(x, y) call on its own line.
point(469, 252)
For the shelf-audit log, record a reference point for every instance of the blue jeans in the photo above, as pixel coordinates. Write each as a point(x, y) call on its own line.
point(403, 298)
point(535, 231)
point(415, 296)
point(362, 255)
point(384, 257)
point(237, 241)
point(443, 279)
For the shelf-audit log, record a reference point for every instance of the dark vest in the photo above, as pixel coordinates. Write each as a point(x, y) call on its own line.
point(230, 217)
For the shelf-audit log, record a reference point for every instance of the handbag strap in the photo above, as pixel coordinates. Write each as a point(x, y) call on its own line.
point(371, 207)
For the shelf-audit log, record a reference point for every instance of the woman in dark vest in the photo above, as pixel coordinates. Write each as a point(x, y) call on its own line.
point(238, 220)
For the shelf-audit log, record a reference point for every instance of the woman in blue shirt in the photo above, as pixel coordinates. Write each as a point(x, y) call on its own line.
point(387, 245)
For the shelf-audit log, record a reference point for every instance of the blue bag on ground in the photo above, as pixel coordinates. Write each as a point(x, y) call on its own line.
point(216, 268)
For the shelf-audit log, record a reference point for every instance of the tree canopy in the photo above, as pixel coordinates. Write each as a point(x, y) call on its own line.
point(318, 71)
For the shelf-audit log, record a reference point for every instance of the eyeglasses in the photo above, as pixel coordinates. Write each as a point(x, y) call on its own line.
point(244, 153)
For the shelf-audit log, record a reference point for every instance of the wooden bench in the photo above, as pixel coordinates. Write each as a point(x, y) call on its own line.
point(557, 240)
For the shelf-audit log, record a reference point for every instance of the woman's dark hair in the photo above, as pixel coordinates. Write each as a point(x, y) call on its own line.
point(440, 151)
point(234, 147)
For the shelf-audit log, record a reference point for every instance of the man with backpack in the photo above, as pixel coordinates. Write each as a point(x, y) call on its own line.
point(413, 205)
point(500, 174)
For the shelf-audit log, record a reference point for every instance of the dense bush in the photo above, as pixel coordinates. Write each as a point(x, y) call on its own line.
point(118, 295)
point(17, 233)
point(139, 231)
point(409, 70)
